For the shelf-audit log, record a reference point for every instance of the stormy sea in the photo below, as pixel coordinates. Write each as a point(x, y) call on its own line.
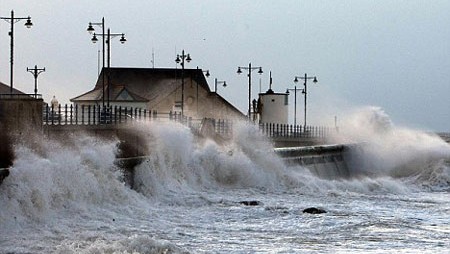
point(198, 196)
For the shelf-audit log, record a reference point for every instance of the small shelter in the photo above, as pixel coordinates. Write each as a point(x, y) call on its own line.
point(158, 89)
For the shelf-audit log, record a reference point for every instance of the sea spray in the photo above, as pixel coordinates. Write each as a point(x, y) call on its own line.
point(62, 177)
point(71, 198)
point(176, 163)
point(388, 150)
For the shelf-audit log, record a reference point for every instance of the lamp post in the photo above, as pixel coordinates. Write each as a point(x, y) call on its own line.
point(217, 82)
point(305, 78)
point(180, 60)
point(91, 30)
point(108, 36)
point(35, 71)
point(207, 75)
point(295, 102)
point(12, 20)
point(250, 69)
point(206, 72)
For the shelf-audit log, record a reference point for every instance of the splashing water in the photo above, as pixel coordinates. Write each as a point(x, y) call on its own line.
point(387, 150)
point(72, 198)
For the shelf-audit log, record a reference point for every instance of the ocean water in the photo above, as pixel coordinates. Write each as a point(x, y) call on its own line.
point(63, 198)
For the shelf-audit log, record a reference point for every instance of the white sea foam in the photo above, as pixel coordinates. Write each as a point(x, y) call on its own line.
point(133, 244)
point(62, 177)
point(389, 150)
point(72, 198)
point(83, 174)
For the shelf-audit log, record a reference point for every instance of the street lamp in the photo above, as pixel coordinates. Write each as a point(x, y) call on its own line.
point(207, 76)
point(36, 71)
point(180, 60)
point(12, 20)
point(305, 78)
point(217, 82)
point(108, 36)
point(250, 69)
point(206, 72)
point(295, 101)
point(91, 30)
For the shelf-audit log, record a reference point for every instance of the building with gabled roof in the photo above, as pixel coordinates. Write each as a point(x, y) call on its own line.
point(158, 89)
point(5, 89)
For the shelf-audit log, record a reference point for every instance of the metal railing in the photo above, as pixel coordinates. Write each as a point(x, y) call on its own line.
point(97, 115)
point(295, 131)
point(20, 96)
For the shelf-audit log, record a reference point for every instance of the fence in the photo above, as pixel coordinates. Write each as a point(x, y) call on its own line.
point(20, 96)
point(295, 131)
point(98, 115)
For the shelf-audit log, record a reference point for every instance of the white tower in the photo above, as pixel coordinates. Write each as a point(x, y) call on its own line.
point(273, 107)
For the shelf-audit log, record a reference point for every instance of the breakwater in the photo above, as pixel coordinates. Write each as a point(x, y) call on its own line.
point(326, 161)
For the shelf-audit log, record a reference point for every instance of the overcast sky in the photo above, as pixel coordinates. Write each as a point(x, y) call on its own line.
point(391, 54)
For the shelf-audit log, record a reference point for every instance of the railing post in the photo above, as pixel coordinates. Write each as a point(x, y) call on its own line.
point(47, 109)
point(71, 113)
point(89, 115)
point(99, 114)
point(94, 114)
point(114, 115)
point(76, 114)
point(65, 114)
point(82, 114)
point(52, 114)
point(59, 114)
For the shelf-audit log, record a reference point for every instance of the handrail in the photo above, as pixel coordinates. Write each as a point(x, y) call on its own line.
point(20, 96)
point(89, 115)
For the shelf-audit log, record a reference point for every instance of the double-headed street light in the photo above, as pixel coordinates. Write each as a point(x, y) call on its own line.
point(12, 20)
point(108, 37)
point(218, 82)
point(35, 71)
point(91, 30)
point(206, 73)
point(295, 101)
point(250, 69)
point(180, 60)
point(304, 90)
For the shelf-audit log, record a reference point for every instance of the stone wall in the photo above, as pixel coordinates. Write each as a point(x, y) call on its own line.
point(19, 117)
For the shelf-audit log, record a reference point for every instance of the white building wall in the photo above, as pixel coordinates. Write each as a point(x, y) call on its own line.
point(273, 108)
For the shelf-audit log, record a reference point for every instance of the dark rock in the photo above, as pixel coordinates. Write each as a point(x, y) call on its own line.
point(278, 209)
point(314, 210)
point(250, 203)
